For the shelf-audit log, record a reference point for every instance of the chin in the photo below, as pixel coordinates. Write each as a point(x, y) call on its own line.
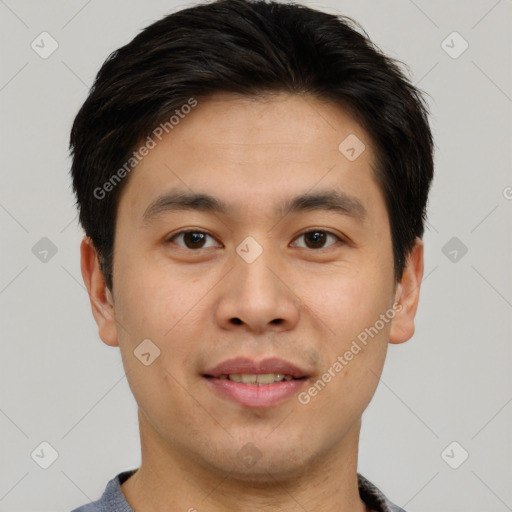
point(267, 471)
point(261, 461)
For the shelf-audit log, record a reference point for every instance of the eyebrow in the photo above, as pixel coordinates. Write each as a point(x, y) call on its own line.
point(328, 200)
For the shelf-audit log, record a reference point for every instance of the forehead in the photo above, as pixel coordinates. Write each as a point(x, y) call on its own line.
point(249, 149)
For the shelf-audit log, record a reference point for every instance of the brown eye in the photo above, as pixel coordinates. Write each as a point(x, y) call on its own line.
point(317, 238)
point(191, 239)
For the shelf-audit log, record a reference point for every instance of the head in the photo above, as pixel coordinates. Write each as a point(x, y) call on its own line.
point(252, 108)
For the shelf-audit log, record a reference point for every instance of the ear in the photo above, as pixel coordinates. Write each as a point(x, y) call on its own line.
point(407, 295)
point(102, 303)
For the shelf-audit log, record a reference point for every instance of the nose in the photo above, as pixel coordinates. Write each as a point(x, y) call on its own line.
point(256, 296)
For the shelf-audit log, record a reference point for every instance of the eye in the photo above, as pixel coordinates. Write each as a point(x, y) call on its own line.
point(316, 239)
point(192, 239)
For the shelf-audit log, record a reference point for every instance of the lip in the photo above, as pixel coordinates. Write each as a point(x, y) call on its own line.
point(254, 395)
point(246, 365)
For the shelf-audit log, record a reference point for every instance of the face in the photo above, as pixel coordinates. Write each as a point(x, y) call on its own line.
point(287, 263)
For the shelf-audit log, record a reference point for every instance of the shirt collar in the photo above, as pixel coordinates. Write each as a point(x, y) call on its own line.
point(113, 497)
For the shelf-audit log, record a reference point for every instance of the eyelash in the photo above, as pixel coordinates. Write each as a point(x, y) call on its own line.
point(198, 231)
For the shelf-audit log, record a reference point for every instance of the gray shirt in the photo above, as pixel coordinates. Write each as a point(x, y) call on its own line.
point(113, 499)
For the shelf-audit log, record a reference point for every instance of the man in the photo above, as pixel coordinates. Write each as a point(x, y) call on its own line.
point(252, 178)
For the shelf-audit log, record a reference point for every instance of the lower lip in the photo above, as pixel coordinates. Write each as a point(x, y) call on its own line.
point(255, 395)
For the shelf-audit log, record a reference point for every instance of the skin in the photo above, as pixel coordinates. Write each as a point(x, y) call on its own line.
point(253, 154)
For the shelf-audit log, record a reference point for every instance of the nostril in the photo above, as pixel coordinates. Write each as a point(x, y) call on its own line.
point(236, 321)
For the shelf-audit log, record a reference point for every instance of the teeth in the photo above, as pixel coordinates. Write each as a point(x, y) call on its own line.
point(266, 378)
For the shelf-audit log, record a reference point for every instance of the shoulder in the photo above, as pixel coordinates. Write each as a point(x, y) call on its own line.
point(112, 499)
point(374, 497)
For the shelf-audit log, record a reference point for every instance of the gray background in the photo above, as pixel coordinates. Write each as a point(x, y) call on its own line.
point(452, 382)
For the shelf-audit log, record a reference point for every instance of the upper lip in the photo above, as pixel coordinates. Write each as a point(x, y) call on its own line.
point(246, 365)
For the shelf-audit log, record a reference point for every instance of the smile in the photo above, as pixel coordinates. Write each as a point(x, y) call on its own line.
point(256, 391)
point(258, 379)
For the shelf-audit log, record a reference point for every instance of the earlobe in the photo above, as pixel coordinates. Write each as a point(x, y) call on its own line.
point(102, 303)
point(407, 296)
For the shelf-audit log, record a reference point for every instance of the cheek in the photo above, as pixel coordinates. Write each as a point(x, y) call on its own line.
point(159, 392)
point(356, 351)
point(349, 304)
point(149, 308)
point(151, 300)
point(164, 307)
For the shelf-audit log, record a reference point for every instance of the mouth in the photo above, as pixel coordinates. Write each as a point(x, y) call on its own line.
point(256, 379)
point(256, 384)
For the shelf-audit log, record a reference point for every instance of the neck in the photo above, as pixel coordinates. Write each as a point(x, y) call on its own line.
point(172, 479)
